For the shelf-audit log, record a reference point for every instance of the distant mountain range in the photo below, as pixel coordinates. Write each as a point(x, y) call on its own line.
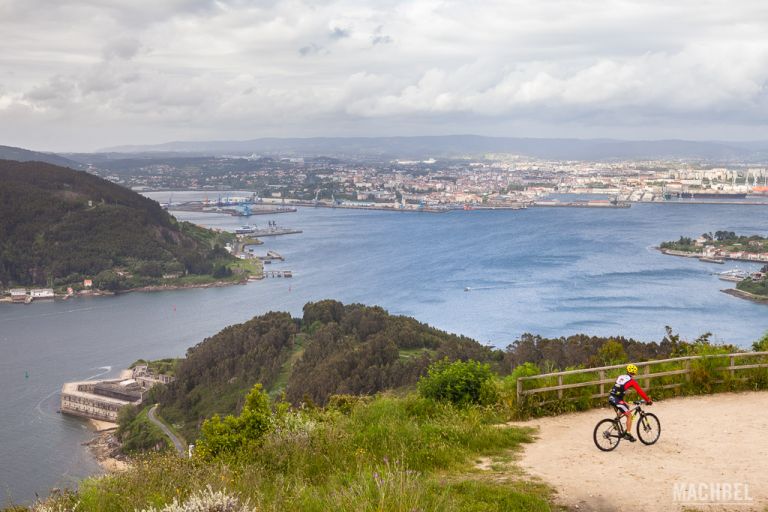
point(25, 155)
point(453, 146)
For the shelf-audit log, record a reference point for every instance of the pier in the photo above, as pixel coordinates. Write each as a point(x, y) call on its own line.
point(271, 256)
point(275, 231)
point(278, 273)
point(582, 204)
point(242, 210)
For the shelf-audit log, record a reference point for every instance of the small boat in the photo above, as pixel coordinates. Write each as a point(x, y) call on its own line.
point(244, 230)
point(734, 275)
point(467, 289)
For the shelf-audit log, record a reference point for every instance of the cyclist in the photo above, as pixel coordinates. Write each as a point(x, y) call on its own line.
point(616, 397)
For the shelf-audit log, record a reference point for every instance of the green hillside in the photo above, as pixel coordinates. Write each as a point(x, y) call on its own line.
point(332, 349)
point(25, 155)
point(59, 226)
point(353, 349)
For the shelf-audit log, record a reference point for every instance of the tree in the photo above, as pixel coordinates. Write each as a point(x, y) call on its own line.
point(611, 352)
point(233, 433)
point(761, 345)
point(222, 271)
point(725, 235)
point(150, 269)
point(108, 280)
point(459, 382)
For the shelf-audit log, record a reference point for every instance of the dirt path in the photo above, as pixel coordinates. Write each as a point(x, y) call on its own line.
point(716, 439)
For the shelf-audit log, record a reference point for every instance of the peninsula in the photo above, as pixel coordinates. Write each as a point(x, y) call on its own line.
point(67, 232)
point(720, 246)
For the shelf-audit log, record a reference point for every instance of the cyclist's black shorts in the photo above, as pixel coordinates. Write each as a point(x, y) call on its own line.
point(619, 405)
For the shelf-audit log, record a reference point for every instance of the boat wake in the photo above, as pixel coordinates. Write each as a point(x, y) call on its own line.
point(105, 370)
point(477, 288)
point(43, 413)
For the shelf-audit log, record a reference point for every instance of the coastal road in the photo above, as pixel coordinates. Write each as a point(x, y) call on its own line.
point(176, 441)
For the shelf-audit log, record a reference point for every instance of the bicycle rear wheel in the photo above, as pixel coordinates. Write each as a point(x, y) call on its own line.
point(648, 428)
point(607, 434)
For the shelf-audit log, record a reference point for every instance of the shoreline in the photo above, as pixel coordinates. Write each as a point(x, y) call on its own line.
point(170, 287)
point(150, 288)
point(700, 255)
point(741, 294)
point(104, 447)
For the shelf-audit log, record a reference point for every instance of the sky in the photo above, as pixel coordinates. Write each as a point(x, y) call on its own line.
point(88, 74)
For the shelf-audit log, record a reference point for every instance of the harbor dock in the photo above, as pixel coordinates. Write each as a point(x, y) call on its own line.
point(582, 204)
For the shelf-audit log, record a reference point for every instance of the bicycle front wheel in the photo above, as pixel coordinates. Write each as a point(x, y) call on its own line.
point(607, 435)
point(648, 428)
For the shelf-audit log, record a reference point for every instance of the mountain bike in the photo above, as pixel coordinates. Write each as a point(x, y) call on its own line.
point(610, 431)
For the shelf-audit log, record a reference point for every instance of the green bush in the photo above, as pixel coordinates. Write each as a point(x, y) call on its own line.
point(459, 382)
point(137, 433)
point(761, 345)
point(234, 433)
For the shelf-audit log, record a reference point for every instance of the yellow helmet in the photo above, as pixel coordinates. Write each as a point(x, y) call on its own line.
point(632, 369)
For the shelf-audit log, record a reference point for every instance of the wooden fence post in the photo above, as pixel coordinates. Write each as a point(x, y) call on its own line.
point(559, 383)
point(733, 365)
point(519, 388)
point(688, 370)
point(647, 381)
point(602, 378)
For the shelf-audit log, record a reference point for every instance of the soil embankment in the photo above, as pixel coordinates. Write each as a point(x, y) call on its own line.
point(710, 440)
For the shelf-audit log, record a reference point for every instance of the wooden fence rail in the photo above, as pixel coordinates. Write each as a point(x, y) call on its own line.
point(646, 376)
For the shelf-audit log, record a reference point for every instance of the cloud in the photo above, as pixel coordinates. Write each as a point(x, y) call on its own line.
point(339, 33)
point(124, 48)
point(310, 49)
point(236, 68)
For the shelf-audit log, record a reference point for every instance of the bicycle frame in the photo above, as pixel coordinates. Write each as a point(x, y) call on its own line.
point(635, 411)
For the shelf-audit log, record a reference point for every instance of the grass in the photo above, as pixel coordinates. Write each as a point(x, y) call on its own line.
point(251, 266)
point(285, 371)
point(386, 454)
point(410, 353)
point(165, 366)
point(141, 434)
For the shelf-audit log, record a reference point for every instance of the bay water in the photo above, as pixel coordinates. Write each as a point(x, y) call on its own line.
point(490, 275)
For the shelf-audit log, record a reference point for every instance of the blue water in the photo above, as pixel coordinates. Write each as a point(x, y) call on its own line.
point(550, 271)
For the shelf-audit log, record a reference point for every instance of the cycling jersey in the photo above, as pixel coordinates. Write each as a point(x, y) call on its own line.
point(623, 383)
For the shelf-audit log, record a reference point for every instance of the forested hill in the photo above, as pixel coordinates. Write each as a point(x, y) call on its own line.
point(58, 226)
point(25, 155)
point(332, 349)
point(356, 349)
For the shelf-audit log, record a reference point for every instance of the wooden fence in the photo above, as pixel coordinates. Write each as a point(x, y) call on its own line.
point(644, 375)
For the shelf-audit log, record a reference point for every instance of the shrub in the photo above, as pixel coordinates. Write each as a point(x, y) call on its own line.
point(233, 433)
point(206, 501)
point(761, 345)
point(459, 382)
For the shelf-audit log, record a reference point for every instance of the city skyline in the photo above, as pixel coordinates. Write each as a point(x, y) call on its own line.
point(80, 76)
